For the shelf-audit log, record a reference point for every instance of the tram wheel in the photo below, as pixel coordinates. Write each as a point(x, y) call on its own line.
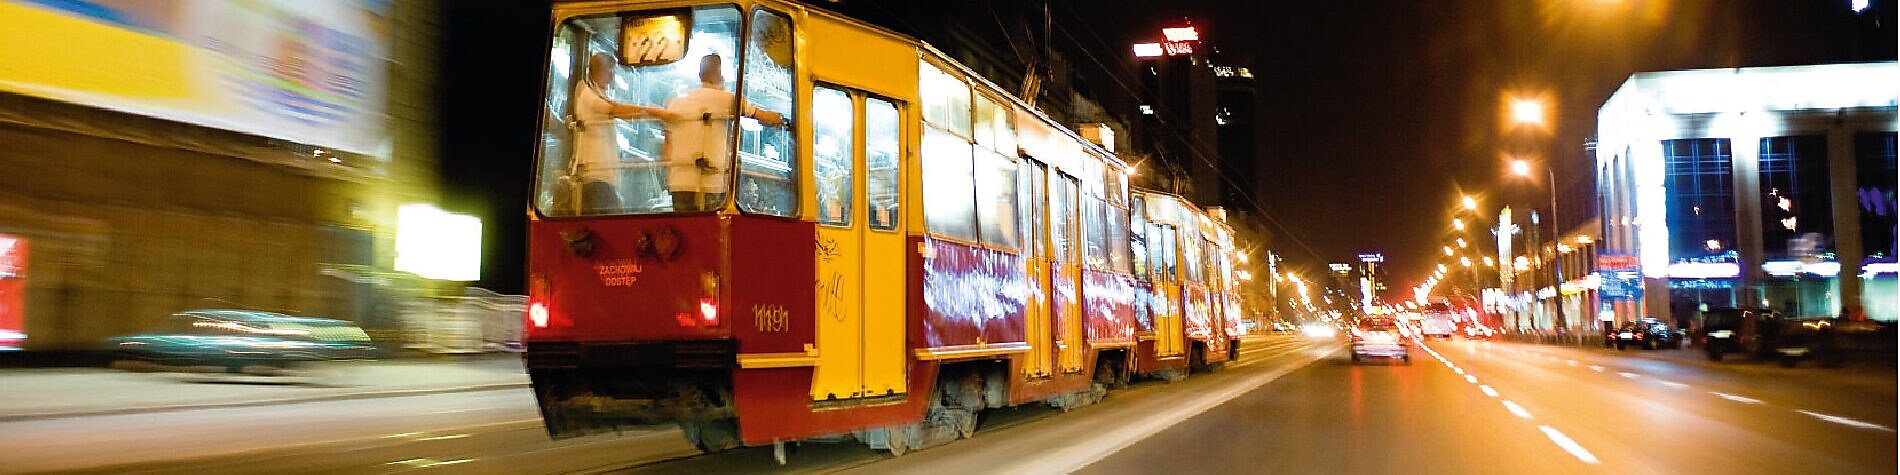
point(712, 436)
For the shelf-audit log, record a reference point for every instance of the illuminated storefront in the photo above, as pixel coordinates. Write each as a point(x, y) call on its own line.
point(1762, 187)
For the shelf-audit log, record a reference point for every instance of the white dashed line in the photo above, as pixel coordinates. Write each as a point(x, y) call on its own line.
point(1672, 384)
point(1845, 421)
point(1487, 390)
point(1516, 409)
point(1629, 375)
point(1570, 362)
point(1458, 370)
point(1471, 379)
point(1732, 397)
point(1568, 445)
point(1596, 368)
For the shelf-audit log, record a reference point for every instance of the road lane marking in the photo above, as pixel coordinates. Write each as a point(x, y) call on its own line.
point(1487, 390)
point(1628, 375)
point(1458, 370)
point(1516, 409)
point(1570, 362)
point(1732, 397)
point(1844, 421)
point(1672, 384)
point(1471, 379)
point(1074, 456)
point(1568, 445)
point(1595, 368)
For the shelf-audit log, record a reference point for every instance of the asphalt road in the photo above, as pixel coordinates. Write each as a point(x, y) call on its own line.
point(1291, 405)
point(1483, 407)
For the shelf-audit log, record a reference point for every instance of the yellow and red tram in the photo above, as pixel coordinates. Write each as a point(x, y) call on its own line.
point(766, 222)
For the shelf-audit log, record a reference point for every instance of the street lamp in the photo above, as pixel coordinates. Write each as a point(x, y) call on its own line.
point(1522, 168)
point(1470, 203)
point(1458, 224)
point(1527, 111)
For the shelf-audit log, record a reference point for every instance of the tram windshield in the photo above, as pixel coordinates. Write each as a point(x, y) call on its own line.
point(649, 128)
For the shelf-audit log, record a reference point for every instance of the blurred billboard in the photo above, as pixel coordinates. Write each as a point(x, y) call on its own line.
point(312, 72)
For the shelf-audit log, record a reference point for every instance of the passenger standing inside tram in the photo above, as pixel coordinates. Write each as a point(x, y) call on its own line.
point(698, 139)
point(596, 150)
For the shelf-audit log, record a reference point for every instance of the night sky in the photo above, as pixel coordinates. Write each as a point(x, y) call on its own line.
point(1375, 115)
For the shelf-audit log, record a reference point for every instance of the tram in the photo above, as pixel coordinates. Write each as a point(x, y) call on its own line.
point(764, 222)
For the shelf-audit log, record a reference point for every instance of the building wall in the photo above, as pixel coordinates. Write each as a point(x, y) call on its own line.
point(130, 218)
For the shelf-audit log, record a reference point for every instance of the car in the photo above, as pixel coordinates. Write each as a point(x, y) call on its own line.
point(1379, 339)
point(1647, 333)
point(1739, 330)
point(241, 342)
point(1478, 332)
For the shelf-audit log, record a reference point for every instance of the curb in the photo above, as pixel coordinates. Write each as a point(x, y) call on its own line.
point(259, 402)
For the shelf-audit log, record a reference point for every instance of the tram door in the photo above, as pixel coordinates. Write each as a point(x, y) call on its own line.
point(1033, 185)
point(1067, 276)
point(856, 157)
point(1169, 334)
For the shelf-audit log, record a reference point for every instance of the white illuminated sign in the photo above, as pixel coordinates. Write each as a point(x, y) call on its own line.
point(1147, 50)
point(438, 245)
point(1185, 33)
point(1704, 270)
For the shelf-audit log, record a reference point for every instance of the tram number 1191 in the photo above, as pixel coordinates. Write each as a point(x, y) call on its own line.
point(771, 319)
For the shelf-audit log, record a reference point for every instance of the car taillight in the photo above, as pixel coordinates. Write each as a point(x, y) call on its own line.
point(538, 314)
point(709, 311)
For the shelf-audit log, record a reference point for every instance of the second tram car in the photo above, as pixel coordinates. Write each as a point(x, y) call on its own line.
point(765, 222)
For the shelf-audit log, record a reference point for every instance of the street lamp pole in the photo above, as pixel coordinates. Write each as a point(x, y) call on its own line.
point(1557, 239)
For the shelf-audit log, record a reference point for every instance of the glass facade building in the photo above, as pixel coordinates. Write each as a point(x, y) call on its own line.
point(1755, 187)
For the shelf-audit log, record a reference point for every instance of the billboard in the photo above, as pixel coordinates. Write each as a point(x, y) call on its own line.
point(12, 292)
point(312, 72)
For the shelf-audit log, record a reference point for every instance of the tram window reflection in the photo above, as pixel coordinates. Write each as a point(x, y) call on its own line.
point(832, 154)
point(996, 199)
point(949, 206)
point(882, 144)
point(767, 151)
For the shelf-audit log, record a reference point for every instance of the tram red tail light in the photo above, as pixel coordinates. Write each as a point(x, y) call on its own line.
point(538, 314)
point(709, 311)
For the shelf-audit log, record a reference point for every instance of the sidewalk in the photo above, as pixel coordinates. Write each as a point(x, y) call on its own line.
point(27, 394)
point(1860, 371)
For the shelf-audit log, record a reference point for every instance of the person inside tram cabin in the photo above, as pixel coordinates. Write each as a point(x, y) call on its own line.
point(596, 150)
point(698, 149)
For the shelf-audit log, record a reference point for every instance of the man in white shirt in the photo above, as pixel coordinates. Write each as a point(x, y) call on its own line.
point(699, 139)
point(596, 151)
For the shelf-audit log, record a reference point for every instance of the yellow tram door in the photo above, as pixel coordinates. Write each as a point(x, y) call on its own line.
point(1034, 203)
point(856, 149)
point(1169, 334)
point(1067, 272)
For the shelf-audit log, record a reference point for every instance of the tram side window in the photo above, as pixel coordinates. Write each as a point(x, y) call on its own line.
point(1192, 250)
point(605, 142)
point(949, 189)
point(1118, 239)
point(882, 144)
point(832, 154)
point(996, 198)
point(1095, 234)
point(767, 152)
point(949, 207)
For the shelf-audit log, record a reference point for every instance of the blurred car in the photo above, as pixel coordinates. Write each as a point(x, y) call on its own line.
point(1648, 334)
point(241, 342)
point(1479, 332)
point(1739, 330)
point(1379, 339)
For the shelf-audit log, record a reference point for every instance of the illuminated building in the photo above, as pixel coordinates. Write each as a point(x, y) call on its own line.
point(1179, 112)
point(148, 175)
point(1754, 186)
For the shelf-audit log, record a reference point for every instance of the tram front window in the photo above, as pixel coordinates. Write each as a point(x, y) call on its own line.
point(646, 129)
